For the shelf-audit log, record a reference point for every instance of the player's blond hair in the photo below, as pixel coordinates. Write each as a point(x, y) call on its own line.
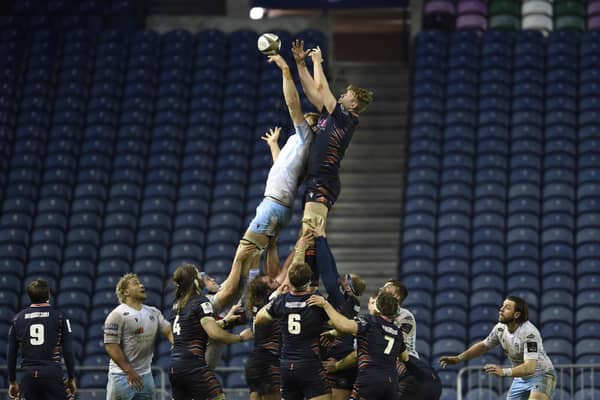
point(122, 286)
point(363, 96)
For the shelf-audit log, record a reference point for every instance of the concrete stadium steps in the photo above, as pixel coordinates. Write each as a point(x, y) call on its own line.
point(364, 225)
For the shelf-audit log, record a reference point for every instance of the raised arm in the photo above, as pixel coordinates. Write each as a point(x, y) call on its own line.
point(217, 333)
point(263, 317)
point(308, 84)
point(290, 93)
point(323, 90)
point(339, 322)
point(271, 138)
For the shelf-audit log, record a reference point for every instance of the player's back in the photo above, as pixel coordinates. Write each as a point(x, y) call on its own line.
point(301, 326)
point(190, 339)
point(379, 342)
point(40, 332)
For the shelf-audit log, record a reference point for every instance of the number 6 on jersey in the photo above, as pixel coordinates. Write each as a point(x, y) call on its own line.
point(294, 326)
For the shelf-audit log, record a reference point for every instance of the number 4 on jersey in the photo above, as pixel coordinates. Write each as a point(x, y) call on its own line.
point(176, 326)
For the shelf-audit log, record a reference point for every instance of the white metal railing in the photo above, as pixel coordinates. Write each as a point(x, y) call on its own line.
point(571, 379)
point(162, 389)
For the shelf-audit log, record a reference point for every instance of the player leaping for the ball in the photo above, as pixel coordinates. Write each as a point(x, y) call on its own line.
point(335, 128)
point(275, 210)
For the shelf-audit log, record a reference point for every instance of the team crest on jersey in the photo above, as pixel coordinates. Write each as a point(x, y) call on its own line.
point(151, 318)
point(532, 336)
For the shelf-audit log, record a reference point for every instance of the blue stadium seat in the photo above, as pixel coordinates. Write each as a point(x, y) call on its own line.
point(112, 267)
point(450, 313)
point(447, 346)
point(556, 314)
point(92, 380)
point(488, 250)
point(558, 330)
point(449, 330)
point(489, 212)
point(107, 281)
point(449, 266)
point(482, 394)
point(557, 297)
point(455, 298)
point(452, 281)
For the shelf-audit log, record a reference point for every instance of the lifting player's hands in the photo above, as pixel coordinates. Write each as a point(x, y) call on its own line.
point(316, 300)
point(279, 61)
point(13, 390)
point(330, 335)
point(71, 385)
point(448, 360)
point(233, 315)
point(493, 369)
point(246, 334)
point(329, 365)
point(298, 50)
point(316, 55)
point(272, 136)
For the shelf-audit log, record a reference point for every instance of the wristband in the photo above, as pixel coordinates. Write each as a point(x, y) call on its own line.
point(506, 371)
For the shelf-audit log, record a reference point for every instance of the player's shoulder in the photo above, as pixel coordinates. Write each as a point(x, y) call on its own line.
point(151, 310)
point(19, 315)
point(405, 314)
point(529, 331)
point(368, 319)
point(120, 311)
point(499, 328)
point(202, 302)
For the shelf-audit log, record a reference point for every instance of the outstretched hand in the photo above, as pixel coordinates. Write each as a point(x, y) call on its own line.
point(279, 61)
point(316, 55)
point(448, 360)
point(298, 50)
point(272, 136)
point(329, 365)
point(316, 300)
point(330, 335)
